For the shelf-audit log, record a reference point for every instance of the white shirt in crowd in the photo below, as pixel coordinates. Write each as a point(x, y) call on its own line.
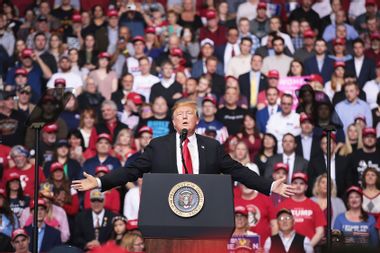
point(371, 89)
point(228, 53)
point(73, 81)
point(289, 160)
point(133, 65)
point(322, 7)
point(332, 166)
point(287, 40)
point(132, 204)
point(306, 141)
point(287, 242)
point(358, 64)
point(97, 219)
point(143, 84)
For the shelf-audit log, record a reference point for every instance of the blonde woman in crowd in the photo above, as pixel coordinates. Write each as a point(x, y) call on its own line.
point(353, 141)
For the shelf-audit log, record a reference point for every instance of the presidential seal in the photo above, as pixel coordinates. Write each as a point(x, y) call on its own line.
point(186, 199)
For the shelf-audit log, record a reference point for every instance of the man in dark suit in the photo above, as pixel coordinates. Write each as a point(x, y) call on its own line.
point(48, 237)
point(263, 115)
point(218, 82)
point(318, 166)
point(361, 66)
point(253, 80)
point(93, 226)
point(230, 49)
point(296, 163)
point(320, 63)
point(119, 96)
point(204, 156)
point(307, 142)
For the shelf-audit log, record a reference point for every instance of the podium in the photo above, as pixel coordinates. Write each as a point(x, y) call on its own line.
point(186, 213)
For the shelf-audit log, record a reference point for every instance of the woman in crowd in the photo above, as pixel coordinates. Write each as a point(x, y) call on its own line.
point(189, 44)
point(241, 222)
point(188, 17)
point(90, 97)
point(356, 225)
point(267, 150)
point(296, 68)
point(371, 191)
point(225, 18)
point(250, 136)
point(99, 20)
point(8, 219)
point(119, 229)
point(376, 115)
point(339, 51)
point(104, 77)
point(88, 55)
point(55, 46)
point(230, 145)
point(124, 145)
point(181, 78)
point(15, 195)
point(306, 101)
point(172, 27)
point(71, 113)
point(152, 43)
point(353, 140)
point(320, 197)
point(241, 155)
point(77, 147)
point(133, 242)
point(337, 80)
point(74, 59)
point(87, 122)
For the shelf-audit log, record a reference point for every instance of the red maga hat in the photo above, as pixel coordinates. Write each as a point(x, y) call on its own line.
point(279, 166)
point(300, 175)
point(369, 131)
point(21, 71)
point(332, 135)
point(103, 55)
point(242, 210)
point(150, 29)
point(104, 136)
point(76, 18)
point(309, 34)
point(138, 38)
point(210, 98)
point(26, 52)
point(56, 166)
point(176, 52)
point(40, 202)
point(17, 232)
point(273, 73)
point(132, 225)
point(354, 188)
point(60, 81)
point(338, 64)
point(112, 13)
point(262, 5)
point(135, 98)
point(145, 129)
point(339, 41)
point(211, 14)
point(102, 168)
point(305, 117)
point(50, 128)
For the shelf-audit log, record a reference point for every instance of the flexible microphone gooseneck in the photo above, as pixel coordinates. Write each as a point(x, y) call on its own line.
point(182, 137)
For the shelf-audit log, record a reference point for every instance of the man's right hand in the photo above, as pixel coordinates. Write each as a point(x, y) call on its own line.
point(86, 184)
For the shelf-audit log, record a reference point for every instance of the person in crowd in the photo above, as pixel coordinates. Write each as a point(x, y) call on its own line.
point(133, 242)
point(357, 226)
point(261, 213)
point(306, 97)
point(231, 49)
point(119, 229)
point(280, 170)
point(296, 163)
point(371, 191)
point(23, 104)
point(353, 140)
point(124, 146)
point(254, 81)
point(207, 49)
point(102, 155)
point(272, 95)
point(337, 80)
point(70, 113)
point(279, 61)
point(308, 216)
point(88, 55)
point(232, 82)
point(41, 47)
point(142, 84)
point(132, 201)
point(329, 32)
point(371, 88)
point(287, 238)
point(20, 241)
point(129, 115)
point(9, 221)
point(307, 141)
point(260, 24)
point(239, 64)
point(275, 31)
point(296, 68)
point(268, 149)
point(241, 155)
point(320, 197)
point(77, 148)
point(250, 136)
point(241, 222)
point(273, 77)
point(339, 50)
point(125, 87)
point(307, 50)
point(87, 122)
point(144, 136)
point(48, 237)
point(15, 195)
point(212, 30)
point(209, 109)
point(244, 32)
point(93, 226)
point(284, 121)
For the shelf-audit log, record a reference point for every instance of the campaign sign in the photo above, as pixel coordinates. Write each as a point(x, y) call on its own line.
point(290, 84)
point(247, 242)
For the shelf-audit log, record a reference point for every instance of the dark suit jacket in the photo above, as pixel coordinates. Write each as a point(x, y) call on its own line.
point(311, 67)
point(52, 238)
point(300, 165)
point(262, 117)
point(160, 157)
point(315, 147)
point(318, 167)
point(367, 71)
point(218, 85)
point(84, 231)
point(197, 69)
point(245, 84)
point(264, 51)
point(102, 128)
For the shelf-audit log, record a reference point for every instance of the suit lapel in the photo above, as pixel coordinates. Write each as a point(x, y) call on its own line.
point(172, 151)
point(202, 155)
point(89, 223)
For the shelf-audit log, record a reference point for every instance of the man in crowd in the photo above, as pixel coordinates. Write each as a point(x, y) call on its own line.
point(213, 30)
point(144, 136)
point(239, 64)
point(230, 49)
point(207, 50)
point(307, 141)
point(307, 50)
point(20, 241)
point(279, 61)
point(263, 115)
point(143, 83)
point(40, 45)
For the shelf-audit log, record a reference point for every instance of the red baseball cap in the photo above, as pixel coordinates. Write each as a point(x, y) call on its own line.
point(112, 13)
point(354, 188)
point(13, 176)
point(242, 210)
point(135, 98)
point(262, 5)
point(210, 98)
point(150, 29)
point(103, 55)
point(361, 117)
point(176, 52)
point(300, 175)
point(273, 74)
point(339, 41)
point(17, 232)
point(375, 36)
point(26, 52)
point(21, 71)
point(316, 78)
point(41, 202)
point(145, 129)
point(76, 18)
point(338, 64)
point(56, 166)
point(281, 166)
point(50, 128)
point(104, 136)
point(138, 38)
point(211, 14)
point(60, 81)
point(370, 2)
point(102, 168)
point(369, 131)
point(332, 135)
point(309, 34)
point(305, 117)
point(132, 225)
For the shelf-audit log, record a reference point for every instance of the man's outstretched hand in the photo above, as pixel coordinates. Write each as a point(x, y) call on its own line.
point(283, 189)
point(86, 184)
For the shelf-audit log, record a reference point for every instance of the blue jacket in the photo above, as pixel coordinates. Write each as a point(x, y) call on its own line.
point(90, 165)
point(51, 239)
point(262, 117)
point(197, 69)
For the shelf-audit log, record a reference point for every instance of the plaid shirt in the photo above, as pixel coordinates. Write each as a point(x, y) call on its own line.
point(297, 42)
point(256, 42)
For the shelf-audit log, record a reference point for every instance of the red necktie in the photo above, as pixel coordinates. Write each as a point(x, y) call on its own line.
point(187, 158)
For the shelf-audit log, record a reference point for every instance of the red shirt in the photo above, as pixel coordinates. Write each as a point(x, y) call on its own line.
point(261, 212)
point(26, 178)
point(219, 36)
point(307, 216)
point(4, 156)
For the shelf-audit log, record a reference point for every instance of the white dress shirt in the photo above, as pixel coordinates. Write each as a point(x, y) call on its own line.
point(99, 216)
point(333, 167)
point(272, 109)
point(358, 64)
point(306, 141)
point(193, 148)
point(132, 204)
point(287, 242)
point(371, 89)
point(289, 160)
point(228, 54)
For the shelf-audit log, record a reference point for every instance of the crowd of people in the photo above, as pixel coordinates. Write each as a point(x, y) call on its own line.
point(267, 76)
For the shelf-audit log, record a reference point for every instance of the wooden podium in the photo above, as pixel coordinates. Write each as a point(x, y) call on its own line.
point(165, 228)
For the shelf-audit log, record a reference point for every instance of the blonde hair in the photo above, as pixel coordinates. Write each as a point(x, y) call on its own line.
point(246, 158)
point(316, 188)
point(347, 147)
point(122, 132)
point(183, 103)
point(128, 240)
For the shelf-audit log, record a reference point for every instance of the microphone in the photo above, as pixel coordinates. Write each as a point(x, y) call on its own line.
point(183, 135)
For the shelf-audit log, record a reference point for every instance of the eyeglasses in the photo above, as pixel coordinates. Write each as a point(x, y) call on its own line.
point(285, 218)
point(25, 92)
